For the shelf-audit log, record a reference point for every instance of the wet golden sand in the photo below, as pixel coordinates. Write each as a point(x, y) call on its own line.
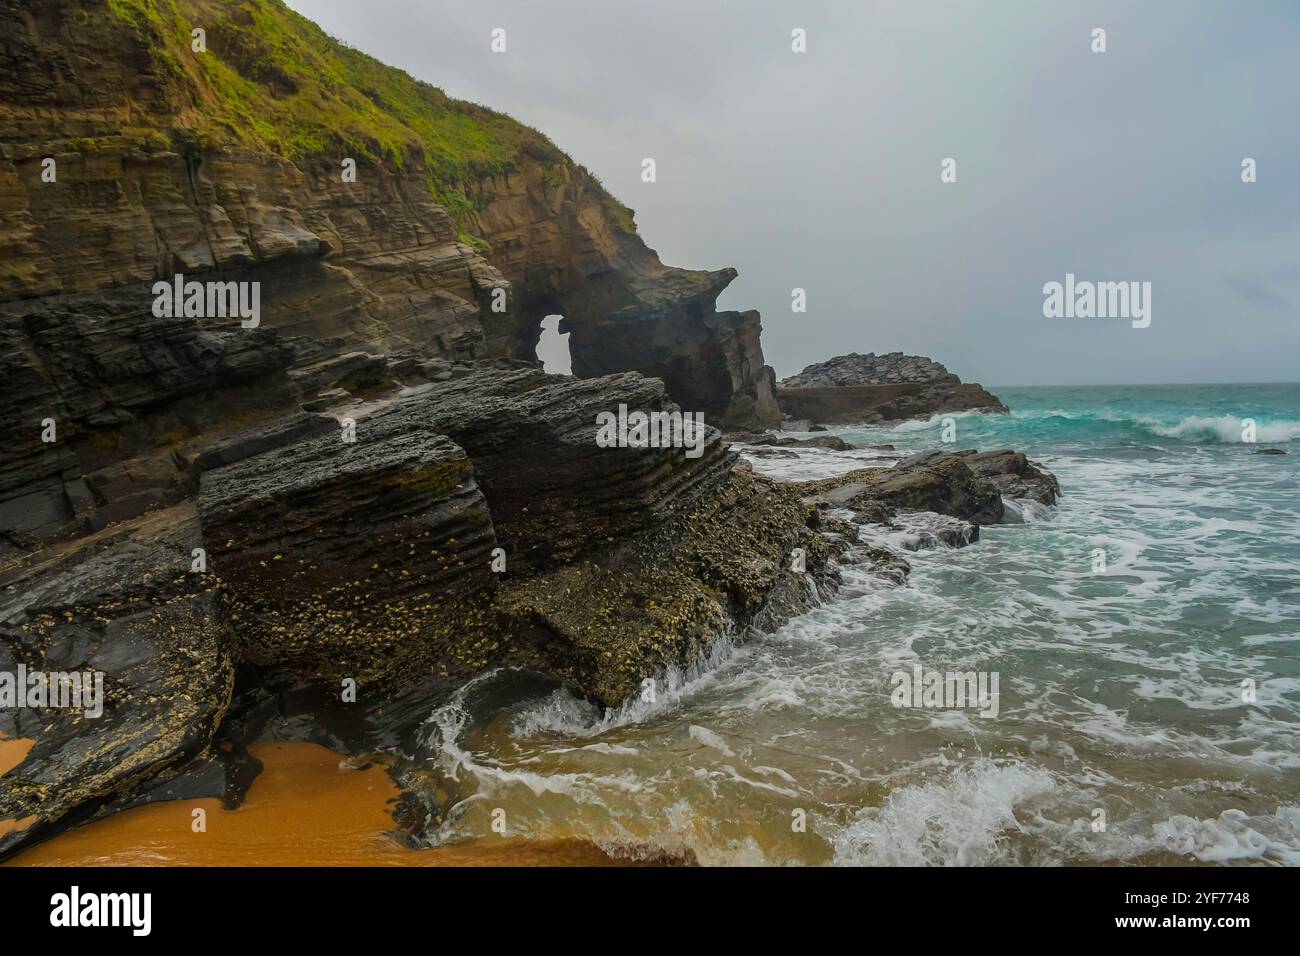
point(306, 808)
point(13, 751)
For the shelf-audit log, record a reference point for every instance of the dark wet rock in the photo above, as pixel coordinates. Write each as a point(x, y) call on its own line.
point(621, 561)
point(967, 485)
point(1012, 474)
point(832, 442)
point(342, 559)
point(254, 441)
point(942, 484)
point(125, 603)
point(372, 559)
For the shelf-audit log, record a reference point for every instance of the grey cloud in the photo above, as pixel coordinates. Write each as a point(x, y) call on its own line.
point(821, 170)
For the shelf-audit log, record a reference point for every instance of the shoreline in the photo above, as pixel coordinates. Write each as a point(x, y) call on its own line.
point(304, 809)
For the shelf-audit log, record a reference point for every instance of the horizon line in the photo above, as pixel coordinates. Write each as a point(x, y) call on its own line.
point(1122, 384)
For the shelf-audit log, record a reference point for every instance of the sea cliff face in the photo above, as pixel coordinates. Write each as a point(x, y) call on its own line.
point(233, 162)
point(370, 488)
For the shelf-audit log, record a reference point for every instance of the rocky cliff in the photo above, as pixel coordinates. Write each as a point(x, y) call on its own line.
point(372, 490)
point(370, 481)
point(128, 155)
point(876, 388)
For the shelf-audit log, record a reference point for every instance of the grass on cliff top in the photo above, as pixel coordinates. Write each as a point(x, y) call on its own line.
point(273, 80)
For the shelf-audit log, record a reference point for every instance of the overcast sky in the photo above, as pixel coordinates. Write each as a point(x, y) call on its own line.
point(821, 170)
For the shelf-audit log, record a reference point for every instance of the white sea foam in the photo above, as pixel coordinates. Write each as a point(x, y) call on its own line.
point(1225, 428)
point(961, 820)
point(1234, 835)
point(709, 739)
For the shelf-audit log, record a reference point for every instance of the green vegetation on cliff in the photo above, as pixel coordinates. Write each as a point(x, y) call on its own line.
point(273, 80)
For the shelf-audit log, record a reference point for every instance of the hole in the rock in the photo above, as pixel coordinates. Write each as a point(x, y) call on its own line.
point(553, 347)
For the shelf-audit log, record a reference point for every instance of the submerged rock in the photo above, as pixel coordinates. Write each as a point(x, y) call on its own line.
point(967, 485)
point(925, 529)
point(832, 442)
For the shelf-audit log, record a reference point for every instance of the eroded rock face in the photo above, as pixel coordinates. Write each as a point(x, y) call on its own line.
point(115, 388)
point(552, 489)
point(368, 558)
point(343, 559)
point(376, 560)
point(378, 265)
point(554, 237)
point(877, 388)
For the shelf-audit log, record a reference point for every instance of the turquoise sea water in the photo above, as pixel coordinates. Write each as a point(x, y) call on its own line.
point(1120, 690)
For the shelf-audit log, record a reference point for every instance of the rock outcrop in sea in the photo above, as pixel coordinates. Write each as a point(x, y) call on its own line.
point(878, 388)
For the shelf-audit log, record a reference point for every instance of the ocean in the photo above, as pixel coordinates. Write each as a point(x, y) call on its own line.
point(1149, 707)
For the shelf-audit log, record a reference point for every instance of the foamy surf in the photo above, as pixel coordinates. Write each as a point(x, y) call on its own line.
point(1121, 689)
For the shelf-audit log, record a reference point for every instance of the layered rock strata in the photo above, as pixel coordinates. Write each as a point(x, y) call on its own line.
point(427, 532)
point(457, 231)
